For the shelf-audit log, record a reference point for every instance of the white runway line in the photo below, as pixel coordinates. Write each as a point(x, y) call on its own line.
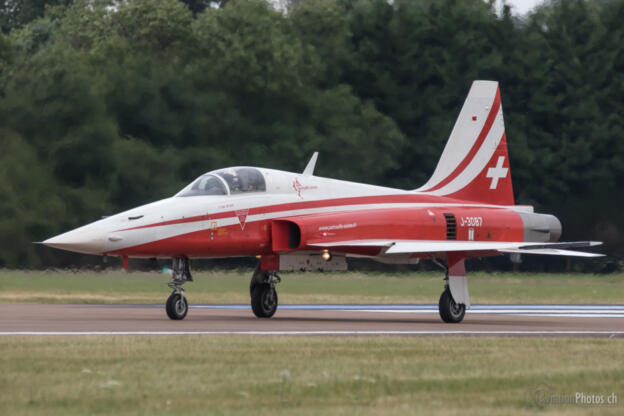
point(566, 311)
point(441, 332)
point(519, 312)
point(572, 315)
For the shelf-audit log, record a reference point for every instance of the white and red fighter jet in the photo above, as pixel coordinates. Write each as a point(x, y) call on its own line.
point(295, 221)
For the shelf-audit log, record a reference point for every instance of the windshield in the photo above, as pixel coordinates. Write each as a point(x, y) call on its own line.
point(243, 179)
point(207, 184)
point(238, 180)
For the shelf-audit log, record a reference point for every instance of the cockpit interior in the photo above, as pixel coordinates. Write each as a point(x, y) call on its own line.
point(229, 181)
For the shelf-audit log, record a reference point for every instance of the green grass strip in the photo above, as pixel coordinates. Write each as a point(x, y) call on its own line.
point(195, 375)
point(346, 287)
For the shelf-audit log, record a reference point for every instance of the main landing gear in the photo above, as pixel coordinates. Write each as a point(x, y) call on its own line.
point(455, 299)
point(263, 294)
point(450, 312)
point(177, 306)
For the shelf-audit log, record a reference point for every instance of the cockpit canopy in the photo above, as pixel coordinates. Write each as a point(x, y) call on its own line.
point(229, 181)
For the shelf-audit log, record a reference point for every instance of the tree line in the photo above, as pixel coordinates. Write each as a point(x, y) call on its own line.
point(105, 105)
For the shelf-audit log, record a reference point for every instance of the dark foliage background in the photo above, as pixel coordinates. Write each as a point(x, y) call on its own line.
point(107, 105)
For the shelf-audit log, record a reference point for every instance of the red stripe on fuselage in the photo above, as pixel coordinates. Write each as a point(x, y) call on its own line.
point(323, 203)
point(475, 147)
point(422, 223)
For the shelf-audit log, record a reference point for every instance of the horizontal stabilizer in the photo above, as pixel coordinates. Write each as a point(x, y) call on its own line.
point(563, 245)
point(552, 252)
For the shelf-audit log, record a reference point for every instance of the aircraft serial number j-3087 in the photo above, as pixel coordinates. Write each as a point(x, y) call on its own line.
point(296, 221)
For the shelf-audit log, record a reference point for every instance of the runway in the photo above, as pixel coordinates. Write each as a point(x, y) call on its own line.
point(493, 320)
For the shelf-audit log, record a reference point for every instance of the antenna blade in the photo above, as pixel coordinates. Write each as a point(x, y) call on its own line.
point(309, 170)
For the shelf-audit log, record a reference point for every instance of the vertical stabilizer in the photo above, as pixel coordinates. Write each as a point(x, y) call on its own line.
point(475, 164)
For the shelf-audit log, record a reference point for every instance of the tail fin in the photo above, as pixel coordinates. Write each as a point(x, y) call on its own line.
point(475, 164)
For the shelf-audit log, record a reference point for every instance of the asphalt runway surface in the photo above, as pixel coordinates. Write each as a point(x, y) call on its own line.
point(496, 320)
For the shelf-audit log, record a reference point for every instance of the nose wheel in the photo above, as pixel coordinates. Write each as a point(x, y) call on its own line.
point(177, 305)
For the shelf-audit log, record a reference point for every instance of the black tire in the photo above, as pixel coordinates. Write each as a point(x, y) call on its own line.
point(252, 286)
point(450, 312)
point(177, 307)
point(263, 300)
point(257, 278)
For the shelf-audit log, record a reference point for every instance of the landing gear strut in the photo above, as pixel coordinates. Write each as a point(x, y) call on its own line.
point(263, 294)
point(177, 306)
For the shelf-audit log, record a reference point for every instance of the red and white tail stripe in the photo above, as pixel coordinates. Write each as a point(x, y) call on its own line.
point(475, 164)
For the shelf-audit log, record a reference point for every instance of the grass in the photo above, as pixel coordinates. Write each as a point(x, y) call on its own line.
point(347, 287)
point(239, 375)
point(305, 375)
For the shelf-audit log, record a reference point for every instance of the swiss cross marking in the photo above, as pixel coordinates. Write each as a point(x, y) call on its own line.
point(497, 172)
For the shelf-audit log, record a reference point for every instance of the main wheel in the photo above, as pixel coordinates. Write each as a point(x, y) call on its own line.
point(176, 307)
point(450, 312)
point(263, 300)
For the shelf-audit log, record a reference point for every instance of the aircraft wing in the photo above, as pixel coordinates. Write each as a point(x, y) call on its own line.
point(423, 246)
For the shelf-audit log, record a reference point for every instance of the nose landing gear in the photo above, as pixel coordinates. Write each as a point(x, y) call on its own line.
point(264, 299)
point(177, 305)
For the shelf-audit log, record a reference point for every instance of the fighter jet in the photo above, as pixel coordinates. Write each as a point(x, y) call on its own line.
point(299, 221)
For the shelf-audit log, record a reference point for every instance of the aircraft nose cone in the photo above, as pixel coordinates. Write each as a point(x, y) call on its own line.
point(80, 240)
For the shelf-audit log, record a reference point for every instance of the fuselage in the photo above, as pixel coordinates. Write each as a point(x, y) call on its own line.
point(251, 222)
